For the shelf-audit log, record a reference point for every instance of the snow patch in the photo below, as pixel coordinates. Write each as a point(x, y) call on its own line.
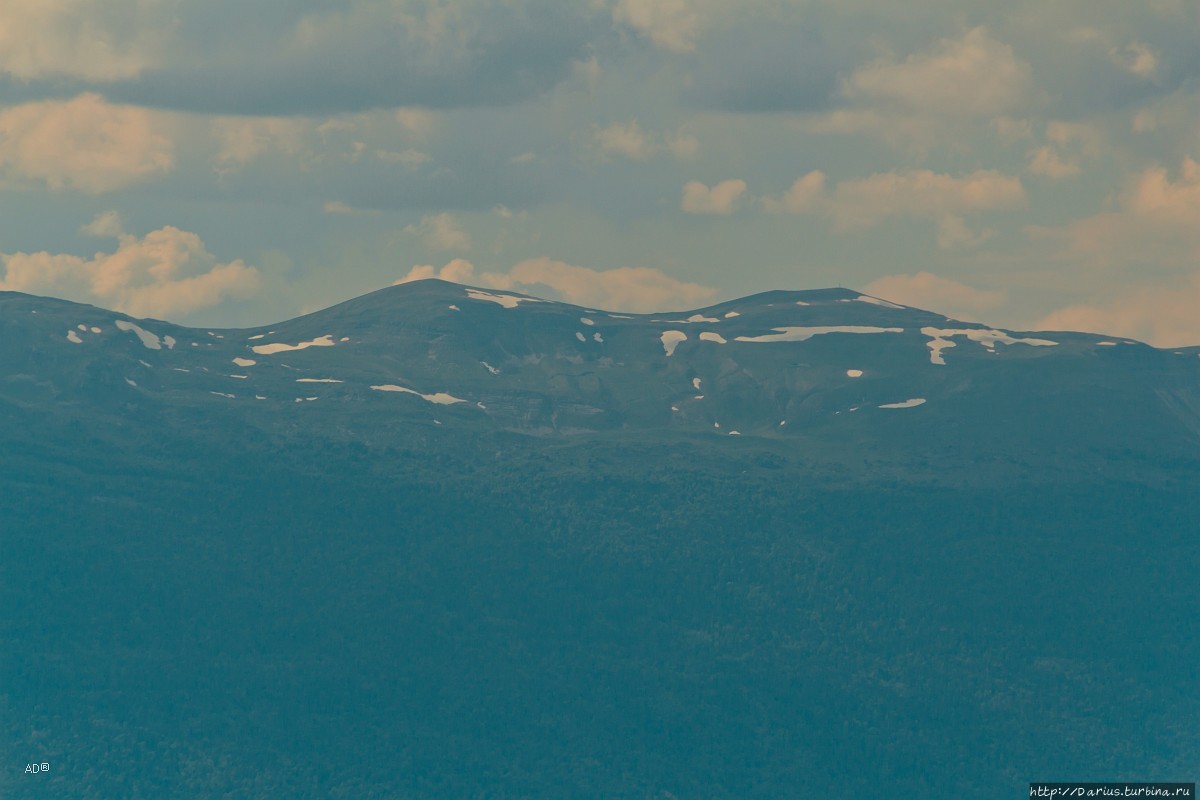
point(916, 401)
point(440, 398)
point(490, 368)
point(587, 321)
point(245, 362)
point(732, 314)
point(580, 336)
point(803, 334)
point(279, 347)
point(1107, 344)
point(223, 394)
point(597, 337)
point(854, 373)
point(318, 380)
point(72, 336)
point(169, 341)
point(95, 330)
point(81, 327)
point(696, 384)
point(454, 308)
point(709, 336)
point(256, 337)
point(506, 300)
point(149, 340)
point(131, 383)
point(940, 339)
point(671, 339)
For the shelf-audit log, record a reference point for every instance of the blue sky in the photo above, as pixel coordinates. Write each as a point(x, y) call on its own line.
point(1028, 164)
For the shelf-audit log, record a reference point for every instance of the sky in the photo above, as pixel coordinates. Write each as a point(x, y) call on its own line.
point(1027, 164)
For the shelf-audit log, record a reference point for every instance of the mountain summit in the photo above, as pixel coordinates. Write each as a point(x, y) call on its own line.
point(830, 362)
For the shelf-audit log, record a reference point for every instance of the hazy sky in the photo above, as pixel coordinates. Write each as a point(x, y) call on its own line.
point(1025, 163)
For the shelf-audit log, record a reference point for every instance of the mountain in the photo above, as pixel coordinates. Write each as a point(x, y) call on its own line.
point(443, 541)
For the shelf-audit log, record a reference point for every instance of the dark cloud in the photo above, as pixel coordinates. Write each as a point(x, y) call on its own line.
point(272, 58)
point(756, 66)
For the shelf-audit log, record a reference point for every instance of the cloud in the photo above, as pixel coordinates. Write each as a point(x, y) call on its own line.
point(919, 194)
point(671, 24)
point(802, 197)
point(409, 158)
point(1156, 223)
point(441, 232)
point(284, 59)
point(168, 271)
point(241, 140)
point(635, 289)
point(935, 293)
point(83, 144)
point(1047, 162)
point(629, 140)
point(97, 41)
point(720, 199)
point(1164, 316)
point(975, 76)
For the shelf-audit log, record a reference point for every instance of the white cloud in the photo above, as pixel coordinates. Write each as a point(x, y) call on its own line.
point(629, 140)
point(945, 199)
point(935, 293)
point(1047, 162)
point(974, 76)
point(626, 139)
point(671, 24)
point(441, 232)
point(418, 122)
point(88, 39)
point(720, 199)
point(84, 144)
point(168, 271)
point(802, 197)
point(1156, 222)
point(1165, 316)
point(241, 140)
point(1139, 58)
point(635, 289)
point(339, 207)
point(409, 158)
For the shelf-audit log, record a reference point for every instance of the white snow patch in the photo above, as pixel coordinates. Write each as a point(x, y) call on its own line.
point(72, 336)
point(803, 334)
point(454, 308)
point(81, 326)
point(169, 341)
point(310, 399)
point(732, 314)
point(709, 336)
point(696, 384)
point(259, 397)
point(490, 368)
point(256, 336)
point(597, 337)
point(144, 364)
point(716, 424)
point(279, 347)
point(580, 336)
point(875, 301)
point(939, 340)
point(131, 383)
point(150, 340)
point(245, 362)
point(620, 316)
point(318, 380)
point(506, 300)
point(180, 369)
point(240, 377)
point(782, 422)
point(223, 394)
point(916, 401)
point(440, 398)
point(674, 408)
point(800, 303)
point(95, 330)
point(701, 318)
point(671, 339)
point(854, 373)
point(587, 321)
point(1107, 344)
point(344, 339)
point(734, 433)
